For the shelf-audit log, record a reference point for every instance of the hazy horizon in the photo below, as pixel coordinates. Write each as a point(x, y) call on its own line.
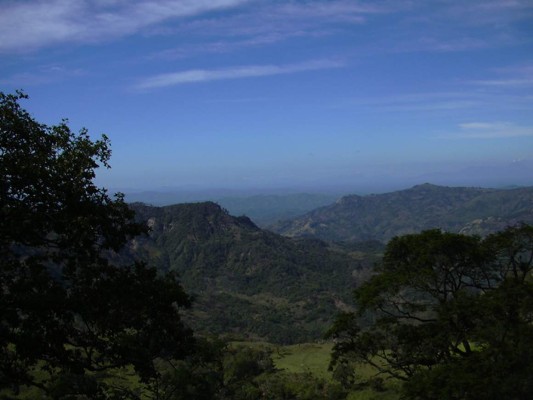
point(267, 95)
point(160, 196)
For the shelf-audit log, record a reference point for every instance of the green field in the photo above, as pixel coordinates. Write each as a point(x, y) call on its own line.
point(314, 358)
point(307, 358)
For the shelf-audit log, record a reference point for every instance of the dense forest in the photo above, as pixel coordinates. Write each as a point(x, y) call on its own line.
point(247, 281)
point(103, 300)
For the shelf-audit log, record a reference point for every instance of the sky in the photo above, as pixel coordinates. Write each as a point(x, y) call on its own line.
point(309, 94)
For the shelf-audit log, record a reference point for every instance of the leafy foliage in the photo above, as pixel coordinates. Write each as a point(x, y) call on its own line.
point(68, 314)
point(451, 316)
point(240, 372)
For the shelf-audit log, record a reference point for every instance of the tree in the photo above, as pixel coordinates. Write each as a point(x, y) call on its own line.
point(217, 371)
point(449, 315)
point(70, 312)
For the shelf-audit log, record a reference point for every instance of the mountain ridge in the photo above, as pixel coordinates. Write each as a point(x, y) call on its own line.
point(468, 210)
point(247, 281)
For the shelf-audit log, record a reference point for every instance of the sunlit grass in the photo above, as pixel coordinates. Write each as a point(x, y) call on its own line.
point(304, 358)
point(314, 359)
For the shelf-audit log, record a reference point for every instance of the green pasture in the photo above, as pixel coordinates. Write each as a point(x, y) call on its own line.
point(304, 358)
point(314, 358)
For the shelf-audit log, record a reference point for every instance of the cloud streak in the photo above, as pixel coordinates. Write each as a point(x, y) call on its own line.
point(514, 77)
point(42, 75)
point(203, 75)
point(492, 130)
point(267, 23)
point(527, 82)
point(451, 103)
point(28, 25)
point(409, 102)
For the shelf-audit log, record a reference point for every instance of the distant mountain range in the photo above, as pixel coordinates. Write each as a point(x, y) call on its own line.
point(383, 216)
point(247, 281)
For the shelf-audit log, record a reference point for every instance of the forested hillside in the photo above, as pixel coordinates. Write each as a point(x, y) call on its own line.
point(247, 281)
point(383, 216)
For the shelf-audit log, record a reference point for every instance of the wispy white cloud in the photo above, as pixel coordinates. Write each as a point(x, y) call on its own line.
point(482, 125)
point(439, 44)
point(452, 103)
point(31, 24)
point(451, 26)
point(42, 75)
point(491, 130)
point(338, 10)
point(26, 25)
point(505, 82)
point(203, 75)
point(273, 21)
point(513, 77)
point(283, 16)
point(231, 44)
point(490, 12)
point(434, 101)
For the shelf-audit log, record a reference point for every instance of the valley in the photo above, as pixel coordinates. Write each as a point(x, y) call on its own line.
point(250, 283)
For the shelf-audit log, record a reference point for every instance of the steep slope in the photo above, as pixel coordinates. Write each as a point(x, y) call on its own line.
point(383, 216)
point(245, 280)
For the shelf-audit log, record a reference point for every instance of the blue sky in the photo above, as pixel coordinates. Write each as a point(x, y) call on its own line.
point(270, 94)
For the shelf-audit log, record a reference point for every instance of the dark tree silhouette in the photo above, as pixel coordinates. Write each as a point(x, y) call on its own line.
point(70, 312)
point(449, 315)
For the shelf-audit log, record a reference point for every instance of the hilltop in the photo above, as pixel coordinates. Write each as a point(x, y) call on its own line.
point(383, 216)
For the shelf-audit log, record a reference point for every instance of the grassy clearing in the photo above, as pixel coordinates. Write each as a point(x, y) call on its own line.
point(308, 358)
point(314, 359)
point(369, 394)
point(299, 358)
